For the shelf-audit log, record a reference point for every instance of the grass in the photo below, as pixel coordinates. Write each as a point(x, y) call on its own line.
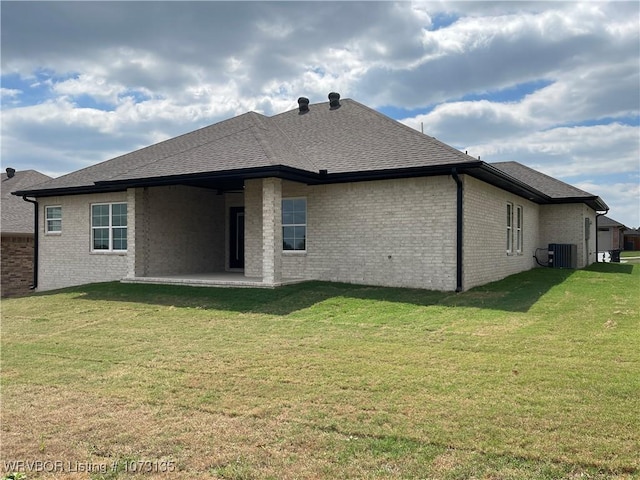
point(532, 377)
point(629, 253)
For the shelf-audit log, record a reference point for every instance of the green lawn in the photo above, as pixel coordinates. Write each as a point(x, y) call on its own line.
point(533, 377)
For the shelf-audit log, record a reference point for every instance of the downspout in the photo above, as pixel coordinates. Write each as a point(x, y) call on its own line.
point(35, 241)
point(459, 225)
point(599, 215)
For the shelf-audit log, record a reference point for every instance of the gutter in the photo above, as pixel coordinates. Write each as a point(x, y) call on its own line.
point(409, 172)
point(35, 242)
point(280, 171)
point(599, 215)
point(322, 177)
point(459, 225)
point(51, 192)
point(494, 176)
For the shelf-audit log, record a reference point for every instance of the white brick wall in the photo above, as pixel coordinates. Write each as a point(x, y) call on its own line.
point(393, 232)
point(253, 228)
point(485, 233)
point(271, 230)
point(566, 224)
point(66, 259)
point(132, 195)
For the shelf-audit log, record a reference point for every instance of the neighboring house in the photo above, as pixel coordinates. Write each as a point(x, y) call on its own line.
point(331, 191)
point(632, 239)
point(610, 234)
point(17, 232)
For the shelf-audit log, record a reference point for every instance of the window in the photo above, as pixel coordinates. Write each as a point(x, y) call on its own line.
point(53, 219)
point(509, 228)
point(109, 227)
point(519, 219)
point(294, 224)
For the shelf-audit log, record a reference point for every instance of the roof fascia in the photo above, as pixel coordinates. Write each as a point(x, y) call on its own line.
point(593, 201)
point(297, 175)
point(477, 169)
point(498, 178)
point(280, 171)
point(362, 176)
point(63, 191)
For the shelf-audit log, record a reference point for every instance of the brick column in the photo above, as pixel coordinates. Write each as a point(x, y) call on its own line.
point(271, 230)
point(131, 233)
point(253, 228)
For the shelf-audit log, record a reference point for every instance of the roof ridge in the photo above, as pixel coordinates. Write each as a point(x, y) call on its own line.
point(291, 147)
point(296, 151)
point(153, 145)
point(408, 128)
point(264, 145)
point(255, 117)
point(250, 115)
point(23, 179)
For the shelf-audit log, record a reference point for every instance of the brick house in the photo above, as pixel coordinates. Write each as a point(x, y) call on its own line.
point(330, 191)
point(610, 234)
point(16, 227)
point(632, 239)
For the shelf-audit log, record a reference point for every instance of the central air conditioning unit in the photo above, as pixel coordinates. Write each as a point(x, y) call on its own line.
point(563, 255)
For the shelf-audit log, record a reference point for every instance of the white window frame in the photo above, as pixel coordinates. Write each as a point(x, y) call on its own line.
point(294, 250)
point(519, 229)
point(509, 228)
point(47, 219)
point(109, 227)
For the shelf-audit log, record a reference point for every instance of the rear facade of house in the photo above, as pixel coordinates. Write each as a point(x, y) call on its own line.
point(307, 195)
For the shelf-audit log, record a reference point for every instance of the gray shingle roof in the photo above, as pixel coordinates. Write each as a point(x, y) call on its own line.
point(351, 141)
point(355, 138)
point(550, 186)
point(605, 221)
point(247, 141)
point(351, 138)
point(17, 215)
point(206, 149)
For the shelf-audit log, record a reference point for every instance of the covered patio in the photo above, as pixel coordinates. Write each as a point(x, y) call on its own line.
point(204, 236)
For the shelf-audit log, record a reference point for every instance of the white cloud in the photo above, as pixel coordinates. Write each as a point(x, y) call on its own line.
point(622, 198)
point(478, 54)
point(96, 79)
point(10, 96)
point(10, 92)
point(89, 85)
point(570, 151)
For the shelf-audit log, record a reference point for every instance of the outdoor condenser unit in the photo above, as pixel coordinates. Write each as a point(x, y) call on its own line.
point(563, 255)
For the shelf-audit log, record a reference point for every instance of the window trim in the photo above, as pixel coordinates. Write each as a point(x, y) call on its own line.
point(294, 251)
point(509, 228)
point(47, 229)
point(110, 228)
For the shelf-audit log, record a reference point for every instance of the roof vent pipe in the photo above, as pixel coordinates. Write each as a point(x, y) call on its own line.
point(11, 172)
point(303, 105)
point(334, 100)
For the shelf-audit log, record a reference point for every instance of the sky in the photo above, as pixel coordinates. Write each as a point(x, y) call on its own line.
point(552, 85)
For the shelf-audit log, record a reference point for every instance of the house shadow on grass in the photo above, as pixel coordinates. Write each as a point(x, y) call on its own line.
point(516, 293)
point(611, 268)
